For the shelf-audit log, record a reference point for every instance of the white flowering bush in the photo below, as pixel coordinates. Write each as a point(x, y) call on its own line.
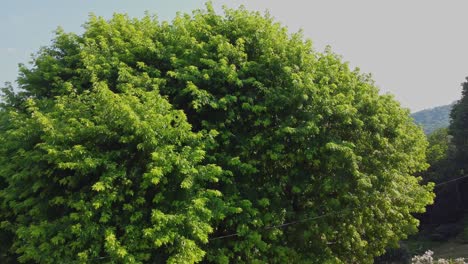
point(427, 258)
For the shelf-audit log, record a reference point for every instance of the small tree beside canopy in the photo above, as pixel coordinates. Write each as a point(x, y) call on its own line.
point(439, 144)
point(300, 138)
point(439, 155)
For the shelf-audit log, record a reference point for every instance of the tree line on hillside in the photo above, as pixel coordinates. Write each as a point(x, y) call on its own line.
point(213, 138)
point(433, 118)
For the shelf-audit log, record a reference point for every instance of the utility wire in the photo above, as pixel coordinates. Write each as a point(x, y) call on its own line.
point(287, 224)
point(305, 219)
point(320, 216)
point(453, 180)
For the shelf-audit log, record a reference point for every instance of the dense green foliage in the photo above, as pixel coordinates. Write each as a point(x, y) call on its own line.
point(140, 141)
point(101, 174)
point(433, 118)
point(459, 129)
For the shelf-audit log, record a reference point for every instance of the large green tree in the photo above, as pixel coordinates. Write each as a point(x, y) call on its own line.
point(304, 161)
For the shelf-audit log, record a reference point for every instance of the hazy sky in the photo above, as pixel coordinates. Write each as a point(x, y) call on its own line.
point(416, 50)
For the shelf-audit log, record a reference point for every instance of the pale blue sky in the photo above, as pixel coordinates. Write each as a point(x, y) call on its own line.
point(416, 50)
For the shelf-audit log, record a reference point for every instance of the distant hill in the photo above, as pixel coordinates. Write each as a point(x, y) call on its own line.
point(433, 118)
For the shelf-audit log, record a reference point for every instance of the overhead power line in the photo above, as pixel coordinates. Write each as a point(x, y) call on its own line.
point(453, 180)
point(302, 220)
point(320, 216)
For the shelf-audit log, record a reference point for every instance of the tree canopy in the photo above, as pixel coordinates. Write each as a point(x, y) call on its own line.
point(215, 138)
point(459, 129)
